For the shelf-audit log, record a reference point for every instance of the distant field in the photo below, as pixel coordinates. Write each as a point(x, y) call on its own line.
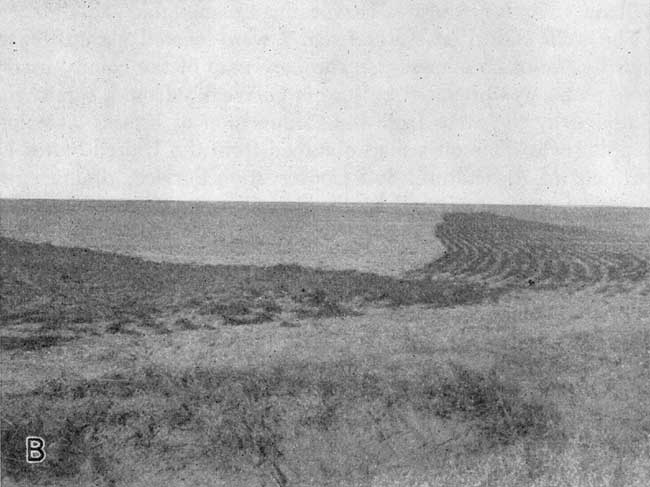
point(379, 238)
point(632, 224)
point(519, 357)
point(386, 239)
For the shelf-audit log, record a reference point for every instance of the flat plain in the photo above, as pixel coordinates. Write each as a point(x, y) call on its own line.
point(518, 356)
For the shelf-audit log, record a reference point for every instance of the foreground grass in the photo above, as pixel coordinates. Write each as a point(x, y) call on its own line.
point(539, 389)
point(327, 422)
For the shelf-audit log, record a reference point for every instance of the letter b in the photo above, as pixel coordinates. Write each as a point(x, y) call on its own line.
point(34, 449)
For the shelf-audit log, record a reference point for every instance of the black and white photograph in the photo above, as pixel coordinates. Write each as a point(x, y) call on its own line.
point(280, 243)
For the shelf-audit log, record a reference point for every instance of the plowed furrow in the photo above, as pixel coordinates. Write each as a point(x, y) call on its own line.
point(506, 251)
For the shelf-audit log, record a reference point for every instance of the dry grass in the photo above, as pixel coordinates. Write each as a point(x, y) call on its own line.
point(252, 419)
point(432, 384)
point(454, 396)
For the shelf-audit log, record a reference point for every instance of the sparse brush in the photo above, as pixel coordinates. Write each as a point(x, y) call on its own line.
point(233, 307)
point(153, 324)
point(316, 303)
point(186, 324)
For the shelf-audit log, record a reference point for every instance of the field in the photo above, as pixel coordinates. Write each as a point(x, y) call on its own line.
point(519, 357)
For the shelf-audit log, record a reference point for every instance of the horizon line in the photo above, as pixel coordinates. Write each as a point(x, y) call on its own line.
point(323, 202)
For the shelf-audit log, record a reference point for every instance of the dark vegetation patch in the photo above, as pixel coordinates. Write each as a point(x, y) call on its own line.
point(30, 343)
point(502, 414)
point(289, 324)
point(247, 319)
point(250, 419)
point(153, 324)
point(315, 303)
point(62, 286)
point(117, 326)
point(186, 324)
point(229, 308)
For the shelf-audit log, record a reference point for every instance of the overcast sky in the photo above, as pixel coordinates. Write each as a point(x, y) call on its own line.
point(388, 100)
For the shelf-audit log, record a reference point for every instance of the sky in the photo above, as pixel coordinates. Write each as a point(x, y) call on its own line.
point(510, 102)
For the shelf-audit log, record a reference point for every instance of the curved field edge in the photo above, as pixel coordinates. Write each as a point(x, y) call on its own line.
point(57, 286)
point(509, 252)
point(486, 255)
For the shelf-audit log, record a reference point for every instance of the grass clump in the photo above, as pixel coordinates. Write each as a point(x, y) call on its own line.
point(246, 431)
point(499, 409)
point(230, 308)
point(316, 303)
point(118, 326)
point(254, 318)
point(241, 311)
point(186, 324)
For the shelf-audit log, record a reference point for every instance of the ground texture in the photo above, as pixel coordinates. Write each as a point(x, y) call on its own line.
point(520, 357)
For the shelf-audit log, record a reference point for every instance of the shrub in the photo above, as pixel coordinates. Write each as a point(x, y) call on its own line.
point(186, 324)
point(117, 326)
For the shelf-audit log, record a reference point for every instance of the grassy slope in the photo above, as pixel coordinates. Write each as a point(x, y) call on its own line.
point(542, 388)
point(61, 286)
